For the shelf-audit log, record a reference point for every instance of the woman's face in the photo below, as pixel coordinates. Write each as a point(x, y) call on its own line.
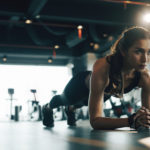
point(138, 55)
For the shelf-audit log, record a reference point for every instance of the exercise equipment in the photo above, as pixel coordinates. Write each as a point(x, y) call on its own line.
point(34, 108)
point(11, 92)
point(14, 115)
point(125, 108)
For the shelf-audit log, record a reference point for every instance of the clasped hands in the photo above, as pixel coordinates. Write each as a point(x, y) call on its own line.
point(142, 118)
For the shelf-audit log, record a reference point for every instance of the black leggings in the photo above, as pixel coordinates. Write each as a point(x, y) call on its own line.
point(61, 100)
point(75, 93)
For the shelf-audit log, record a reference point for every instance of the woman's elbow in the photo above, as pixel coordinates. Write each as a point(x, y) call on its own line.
point(95, 124)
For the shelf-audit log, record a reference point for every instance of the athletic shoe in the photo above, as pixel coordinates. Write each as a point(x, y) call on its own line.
point(71, 118)
point(47, 116)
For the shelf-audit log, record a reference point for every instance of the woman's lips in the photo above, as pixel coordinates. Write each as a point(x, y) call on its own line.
point(142, 66)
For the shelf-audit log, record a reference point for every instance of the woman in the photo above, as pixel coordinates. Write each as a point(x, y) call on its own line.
point(119, 73)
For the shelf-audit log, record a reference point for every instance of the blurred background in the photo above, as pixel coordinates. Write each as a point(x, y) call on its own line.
point(43, 43)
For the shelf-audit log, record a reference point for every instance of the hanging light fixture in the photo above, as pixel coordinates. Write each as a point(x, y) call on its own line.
point(80, 27)
point(4, 58)
point(50, 60)
point(56, 46)
point(28, 21)
point(96, 46)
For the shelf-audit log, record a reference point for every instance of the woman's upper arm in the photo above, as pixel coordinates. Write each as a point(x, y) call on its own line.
point(99, 80)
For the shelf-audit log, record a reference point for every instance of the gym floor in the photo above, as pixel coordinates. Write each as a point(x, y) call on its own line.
point(34, 136)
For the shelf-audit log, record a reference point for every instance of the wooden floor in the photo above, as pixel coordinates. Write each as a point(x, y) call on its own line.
point(33, 136)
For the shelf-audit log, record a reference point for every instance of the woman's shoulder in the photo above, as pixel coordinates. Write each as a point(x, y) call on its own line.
point(101, 64)
point(101, 70)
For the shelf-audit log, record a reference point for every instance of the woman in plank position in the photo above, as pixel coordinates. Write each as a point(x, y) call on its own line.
point(118, 73)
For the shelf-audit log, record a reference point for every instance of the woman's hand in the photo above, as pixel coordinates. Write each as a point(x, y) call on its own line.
point(142, 118)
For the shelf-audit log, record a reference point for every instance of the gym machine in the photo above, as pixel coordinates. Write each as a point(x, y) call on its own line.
point(13, 116)
point(34, 108)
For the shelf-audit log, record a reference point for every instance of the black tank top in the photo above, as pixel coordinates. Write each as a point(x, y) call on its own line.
point(119, 92)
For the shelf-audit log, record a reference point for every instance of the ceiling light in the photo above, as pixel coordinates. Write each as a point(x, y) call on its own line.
point(91, 44)
point(4, 58)
point(37, 16)
point(50, 60)
point(105, 35)
point(110, 38)
point(28, 21)
point(146, 18)
point(79, 27)
point(56, 46)
point(96, 46)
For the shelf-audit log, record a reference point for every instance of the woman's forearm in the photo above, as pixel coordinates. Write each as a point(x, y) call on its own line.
point(104, 123)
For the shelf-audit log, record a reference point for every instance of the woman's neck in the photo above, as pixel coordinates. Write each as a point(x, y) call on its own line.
point(128, 73)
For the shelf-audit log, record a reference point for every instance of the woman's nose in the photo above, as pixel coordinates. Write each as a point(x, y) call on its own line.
point(144, 58)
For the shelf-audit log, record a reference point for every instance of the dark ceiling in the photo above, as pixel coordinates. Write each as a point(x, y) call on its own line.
point(54, 22)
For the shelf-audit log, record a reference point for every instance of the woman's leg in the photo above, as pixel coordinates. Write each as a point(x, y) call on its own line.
point(71, 111)
point(73, 93)
point(61, 100)
point(56, 101)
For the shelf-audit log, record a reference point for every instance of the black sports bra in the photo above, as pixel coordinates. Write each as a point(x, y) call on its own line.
point(115, 87)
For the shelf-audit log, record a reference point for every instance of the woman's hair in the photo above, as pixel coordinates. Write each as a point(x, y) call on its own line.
point(129, 37)
point(124, 42)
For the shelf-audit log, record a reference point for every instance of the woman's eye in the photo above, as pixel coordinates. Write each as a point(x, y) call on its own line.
point(138, 52)
point(148, 52)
